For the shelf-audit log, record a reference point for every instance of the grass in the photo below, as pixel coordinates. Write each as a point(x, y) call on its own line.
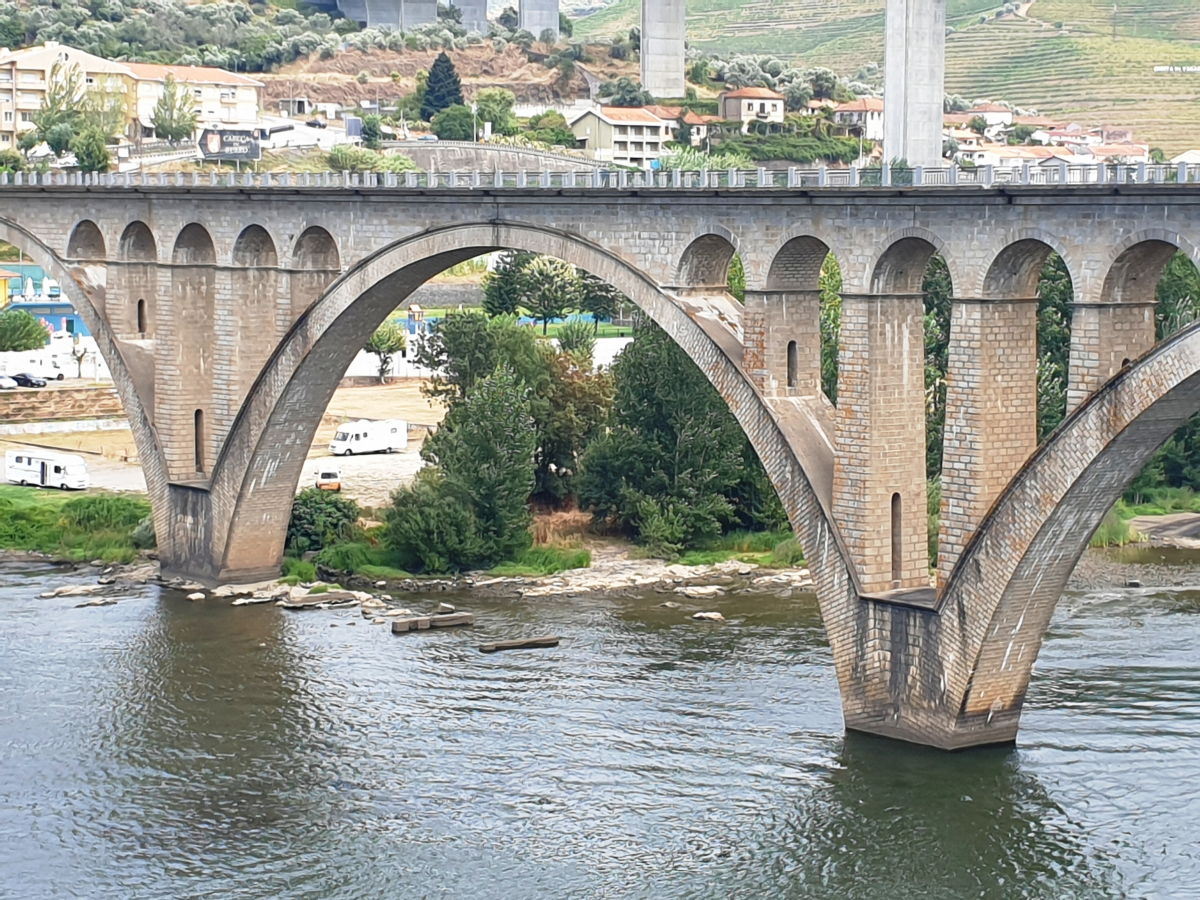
point(296, 571)
point(70, 526)
point(1159, 502)
point(1114, 532)
point(549, 560)
point(764, 548)
point(361, 558)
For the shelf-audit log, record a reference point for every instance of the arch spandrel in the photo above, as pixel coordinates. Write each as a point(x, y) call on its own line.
point(286, 403)
point(1040, 526)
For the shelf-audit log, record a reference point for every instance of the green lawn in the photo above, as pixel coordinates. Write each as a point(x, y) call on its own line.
point(70, 525)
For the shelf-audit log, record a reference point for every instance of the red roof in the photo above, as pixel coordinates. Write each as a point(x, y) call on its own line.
point(189, 74)
point(665, 112)
point(629, 114)
point(990, 107)
point(862, 104)
point(753, 93)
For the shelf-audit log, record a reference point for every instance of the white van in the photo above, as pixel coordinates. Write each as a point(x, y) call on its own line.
point(366, 436)
point(46, 469)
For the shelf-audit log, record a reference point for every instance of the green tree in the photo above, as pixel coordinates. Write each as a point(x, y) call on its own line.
point(977, 124)
point(496, 105)
point(443, 90)
point(674, 468)
point(103, 107)
point(565, 26)
point(552, 289)
point(504, 286)
point(175, 114)
point(938, 290)
point(19, 330)
point(598, 297)
point(320, 518)
point(59, 137)
point(576, 338)
point(1055, 295)
point(1178, 296)
point(455, 123)
point(91, 150)
point(61, 106)
point(484, 450)
point(831, 325)
point(624, 91)
point(12, 161)
point(388, 340)
point(460, 352)
point(509, 18)
point(372, 132)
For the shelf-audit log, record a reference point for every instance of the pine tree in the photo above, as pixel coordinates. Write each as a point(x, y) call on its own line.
point(443, 90)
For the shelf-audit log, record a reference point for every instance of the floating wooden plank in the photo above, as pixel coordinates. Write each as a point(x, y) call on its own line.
point(424, 623)
point(538, 643)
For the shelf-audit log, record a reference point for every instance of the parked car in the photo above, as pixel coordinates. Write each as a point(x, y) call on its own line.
point(7, 384)
point(329, 480)
point(24, 379)
point(316, 123)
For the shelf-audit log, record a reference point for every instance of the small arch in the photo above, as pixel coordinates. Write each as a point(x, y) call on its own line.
point(86, 242)
point(141, 316)
point(901, 268)
point(797, 266)
point(1015, 272)
point(254, 247)
point(316, 249)
point(1134, 275)
point(138, 244)
point(198, 438)
point(194, 246)
point(897, 539)
point(705, 263)
point(793, 364)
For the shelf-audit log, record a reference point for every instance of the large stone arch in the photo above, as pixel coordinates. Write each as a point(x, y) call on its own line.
point(254, 478)
point(1037, 529)
point(797, 264)
point(255, 247)
point(86, 286)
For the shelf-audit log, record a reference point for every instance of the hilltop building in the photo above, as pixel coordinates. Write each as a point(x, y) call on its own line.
point(752, 104)
point(622, 135)
point(222, 98)
point(864, 117)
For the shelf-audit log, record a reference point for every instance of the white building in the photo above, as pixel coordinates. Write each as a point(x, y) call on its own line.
point(863, 115)
point(222, 98)
point(628, 136)
point(752, 104)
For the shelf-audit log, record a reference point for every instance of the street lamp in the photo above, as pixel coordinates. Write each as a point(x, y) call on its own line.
point(474, 122)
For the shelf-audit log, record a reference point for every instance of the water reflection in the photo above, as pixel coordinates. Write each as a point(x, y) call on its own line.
point(158, 749)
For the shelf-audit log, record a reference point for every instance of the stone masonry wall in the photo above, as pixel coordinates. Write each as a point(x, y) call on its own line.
point(57, 404)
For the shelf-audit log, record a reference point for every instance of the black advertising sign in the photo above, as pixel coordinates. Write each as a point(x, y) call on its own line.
point(231, 145)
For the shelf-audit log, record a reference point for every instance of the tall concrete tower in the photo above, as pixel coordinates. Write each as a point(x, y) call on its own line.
point(474, 15)
point(914, 81)
point(538, 15)
point(664, 38)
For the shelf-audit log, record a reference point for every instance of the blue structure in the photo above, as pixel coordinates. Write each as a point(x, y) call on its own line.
point(57, 315)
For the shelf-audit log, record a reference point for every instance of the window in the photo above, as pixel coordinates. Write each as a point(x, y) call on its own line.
point(141, 316)
point(198, 439)
point(196, 92)
point(8, 115)
point(5, 138)
point(26, 117)
point(58, 470)
point(90, 80)
point(897, 542)
point(31, 77)
point(793, 364)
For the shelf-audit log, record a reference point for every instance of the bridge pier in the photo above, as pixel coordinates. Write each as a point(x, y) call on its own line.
point(1104, 338)
point(783, 342)
point(991, 413)
point(879, 490)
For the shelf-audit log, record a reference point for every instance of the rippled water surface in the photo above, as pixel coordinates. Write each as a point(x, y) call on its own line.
point(165, 749)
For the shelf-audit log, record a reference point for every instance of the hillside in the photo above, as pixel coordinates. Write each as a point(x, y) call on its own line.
point(1078, 70)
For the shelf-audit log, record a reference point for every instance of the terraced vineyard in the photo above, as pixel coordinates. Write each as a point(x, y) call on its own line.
point(1078, 70)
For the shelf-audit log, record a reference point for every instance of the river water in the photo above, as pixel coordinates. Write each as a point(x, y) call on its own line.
point(166, 749)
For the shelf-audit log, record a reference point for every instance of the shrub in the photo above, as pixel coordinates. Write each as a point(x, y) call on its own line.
point(97, 513)
point(297, 570)
point(320, 518)
point(539, 561)
point(787, 554)
point(143, 535)
point(576, 337)
point(429, 530)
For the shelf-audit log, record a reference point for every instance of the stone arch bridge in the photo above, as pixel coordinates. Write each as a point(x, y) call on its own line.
point(228, 313)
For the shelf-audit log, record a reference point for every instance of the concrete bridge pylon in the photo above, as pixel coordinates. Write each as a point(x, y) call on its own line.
point(228, 313)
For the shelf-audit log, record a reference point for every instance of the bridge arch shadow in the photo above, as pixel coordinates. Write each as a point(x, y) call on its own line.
point(262, 458)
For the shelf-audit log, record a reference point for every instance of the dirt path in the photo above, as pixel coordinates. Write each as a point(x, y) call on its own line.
point(1176, 530)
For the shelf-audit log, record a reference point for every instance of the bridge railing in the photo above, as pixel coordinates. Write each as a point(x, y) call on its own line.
point(1053, 173)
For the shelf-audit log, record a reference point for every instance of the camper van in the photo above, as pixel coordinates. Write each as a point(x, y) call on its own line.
point(365, 436)
point(46, 469)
